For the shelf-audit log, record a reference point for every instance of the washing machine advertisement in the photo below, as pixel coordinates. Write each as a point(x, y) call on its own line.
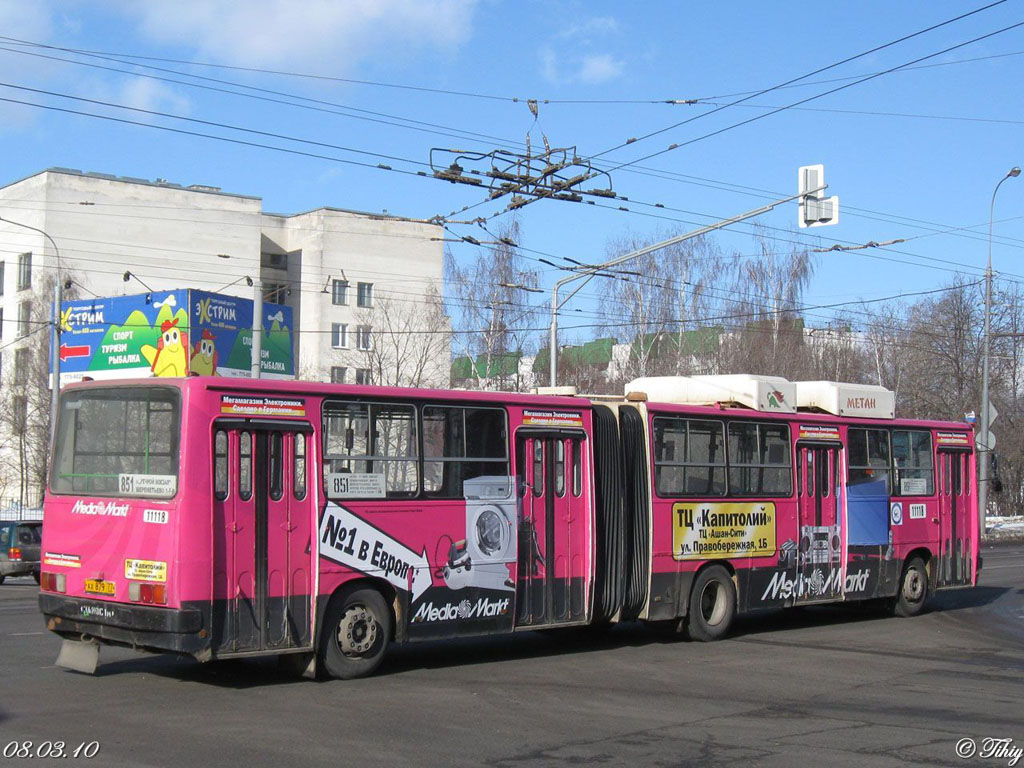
point(461, 582)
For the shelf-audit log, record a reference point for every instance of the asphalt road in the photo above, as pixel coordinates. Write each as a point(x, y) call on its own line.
point(825, 686)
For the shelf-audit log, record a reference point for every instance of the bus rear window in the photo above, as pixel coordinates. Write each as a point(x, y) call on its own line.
point(120, 441)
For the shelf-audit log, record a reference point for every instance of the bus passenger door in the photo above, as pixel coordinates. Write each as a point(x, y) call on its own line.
point(553, 554)
point(955, 553)
point(819, 549)
point(263, 513)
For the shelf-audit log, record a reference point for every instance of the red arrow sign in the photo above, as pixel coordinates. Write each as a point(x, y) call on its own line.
point(66, 351)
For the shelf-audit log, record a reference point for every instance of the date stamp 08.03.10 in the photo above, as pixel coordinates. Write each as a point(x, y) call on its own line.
point(50, 749)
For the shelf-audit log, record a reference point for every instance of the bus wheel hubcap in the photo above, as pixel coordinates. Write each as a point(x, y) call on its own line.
point(913, 588)
point(712, 603)
point(357, 631)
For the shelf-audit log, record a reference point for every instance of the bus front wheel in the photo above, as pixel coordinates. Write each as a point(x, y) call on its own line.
point(913, 589)
point(712, 605)
point(357, 628)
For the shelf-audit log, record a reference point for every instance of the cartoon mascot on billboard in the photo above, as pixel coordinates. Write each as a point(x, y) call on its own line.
point(204, 356)
point(170, 357)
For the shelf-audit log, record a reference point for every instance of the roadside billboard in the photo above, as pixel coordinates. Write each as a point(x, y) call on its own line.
point(171, 333)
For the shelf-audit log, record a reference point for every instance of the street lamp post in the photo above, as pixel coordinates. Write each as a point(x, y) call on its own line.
point(985, 443)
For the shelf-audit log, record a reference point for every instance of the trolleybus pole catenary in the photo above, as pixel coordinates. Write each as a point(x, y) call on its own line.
point(54, 330)
point(587, 273)
point(985, 449)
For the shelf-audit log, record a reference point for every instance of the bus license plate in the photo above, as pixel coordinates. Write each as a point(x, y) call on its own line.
point(99, 587)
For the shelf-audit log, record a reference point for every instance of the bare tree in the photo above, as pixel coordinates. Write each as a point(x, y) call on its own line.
point(765, 304)
point(943, 352)
point(659, 300)
point(493, 320)
point(25, 407)
point(835, 352)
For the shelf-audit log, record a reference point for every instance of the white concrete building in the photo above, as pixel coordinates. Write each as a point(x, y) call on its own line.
point(348, 276)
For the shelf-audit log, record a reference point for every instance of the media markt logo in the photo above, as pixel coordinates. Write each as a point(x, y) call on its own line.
point(108, 509)
point(785, 586)
point(776, 399)
point(483, 608)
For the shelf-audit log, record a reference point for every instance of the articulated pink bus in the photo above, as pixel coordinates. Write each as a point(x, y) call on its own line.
point(224, 518)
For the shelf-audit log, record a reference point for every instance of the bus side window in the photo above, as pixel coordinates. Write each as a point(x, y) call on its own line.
point(560, 468)
point(577, 467)
point(299, 467)
point(538, 468)
point(245, 466)
point(276, 466)
point(220, 465)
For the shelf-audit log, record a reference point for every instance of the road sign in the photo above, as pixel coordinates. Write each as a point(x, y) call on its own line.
point(816, 210)
point(992, 413)
point(983, 444)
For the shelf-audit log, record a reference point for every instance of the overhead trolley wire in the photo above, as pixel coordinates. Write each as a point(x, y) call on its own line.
point(777, 110)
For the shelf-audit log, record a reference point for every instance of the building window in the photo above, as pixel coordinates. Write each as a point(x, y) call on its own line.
point(24, 271)
point(339, 292)
point(275, 293)
point(21, 366)
point(363, 340)
point(365, 295)
point(20, 420)
point(338, 374)
point(339, 335)
point(363, 376)
point(24, 315)
point(274, 260)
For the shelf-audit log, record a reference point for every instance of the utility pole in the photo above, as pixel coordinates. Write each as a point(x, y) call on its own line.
point(986, 440)
point(257, 326)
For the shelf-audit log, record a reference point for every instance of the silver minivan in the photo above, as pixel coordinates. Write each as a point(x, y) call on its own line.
point(19, 548)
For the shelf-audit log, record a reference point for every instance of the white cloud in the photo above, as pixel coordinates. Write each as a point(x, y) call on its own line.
point(599, 69)
point(144, 93)
point(589, 70)
point(321, 36)
point(592, 27)
point(579, 53)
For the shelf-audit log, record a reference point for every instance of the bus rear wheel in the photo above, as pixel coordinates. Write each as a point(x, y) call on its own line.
point(712, 605)
point(913, 592)
point(357, 629)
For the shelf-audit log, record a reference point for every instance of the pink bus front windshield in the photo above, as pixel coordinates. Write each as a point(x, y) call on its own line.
point(116, 455)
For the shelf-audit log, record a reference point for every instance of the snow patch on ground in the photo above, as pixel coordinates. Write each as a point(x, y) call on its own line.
point(1004, 527)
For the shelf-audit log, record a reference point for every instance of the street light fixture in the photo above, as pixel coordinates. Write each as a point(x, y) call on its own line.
point(985, 447)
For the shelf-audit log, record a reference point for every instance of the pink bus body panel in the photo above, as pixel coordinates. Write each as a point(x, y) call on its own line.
point(267, 564)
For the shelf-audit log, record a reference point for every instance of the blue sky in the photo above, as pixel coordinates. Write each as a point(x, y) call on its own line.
point(912, 154)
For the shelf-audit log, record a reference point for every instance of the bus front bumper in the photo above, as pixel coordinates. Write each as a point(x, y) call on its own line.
point(178, 630)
